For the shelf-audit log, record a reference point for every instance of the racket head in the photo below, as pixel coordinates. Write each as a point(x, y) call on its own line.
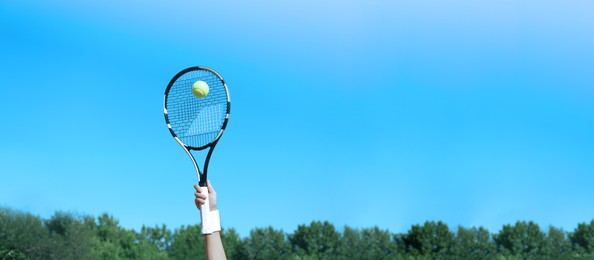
point(196, 123)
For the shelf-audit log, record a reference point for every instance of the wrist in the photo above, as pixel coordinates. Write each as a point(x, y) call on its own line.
point(211, 222)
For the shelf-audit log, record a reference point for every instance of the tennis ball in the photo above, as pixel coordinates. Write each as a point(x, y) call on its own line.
point(200, 89)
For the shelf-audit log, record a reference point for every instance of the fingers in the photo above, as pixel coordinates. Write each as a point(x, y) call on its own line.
point(198, 202)
point(200, 198)
point(208, 185)
point(199, 195)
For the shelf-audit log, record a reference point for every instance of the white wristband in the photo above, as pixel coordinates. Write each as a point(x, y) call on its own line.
point(213, 224)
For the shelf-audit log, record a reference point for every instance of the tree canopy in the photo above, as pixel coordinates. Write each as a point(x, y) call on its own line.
point(73, 236)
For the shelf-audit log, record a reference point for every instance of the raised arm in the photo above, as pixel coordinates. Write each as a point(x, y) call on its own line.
point(213, 243)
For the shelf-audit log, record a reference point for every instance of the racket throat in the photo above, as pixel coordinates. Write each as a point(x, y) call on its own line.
point(204, 174)
point(201, 174)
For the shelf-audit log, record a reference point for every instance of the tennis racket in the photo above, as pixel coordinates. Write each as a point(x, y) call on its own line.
point(197, 123)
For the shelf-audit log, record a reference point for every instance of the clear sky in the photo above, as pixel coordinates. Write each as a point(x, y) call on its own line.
point(362, 113)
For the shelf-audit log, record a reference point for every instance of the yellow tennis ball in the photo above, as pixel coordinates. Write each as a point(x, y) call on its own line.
point(200, 89)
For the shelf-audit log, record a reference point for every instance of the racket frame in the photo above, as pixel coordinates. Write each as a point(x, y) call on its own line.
point(202, 175)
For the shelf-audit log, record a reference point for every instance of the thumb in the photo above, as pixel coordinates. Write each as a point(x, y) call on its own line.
point(210, 188)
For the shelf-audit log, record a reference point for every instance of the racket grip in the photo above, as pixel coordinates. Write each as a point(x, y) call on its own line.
point(210, 219)
point(205, 208)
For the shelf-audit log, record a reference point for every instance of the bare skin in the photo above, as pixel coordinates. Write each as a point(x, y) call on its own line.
point(214, 245)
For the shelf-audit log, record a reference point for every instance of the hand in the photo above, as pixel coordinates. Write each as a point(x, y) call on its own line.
point(212, 196)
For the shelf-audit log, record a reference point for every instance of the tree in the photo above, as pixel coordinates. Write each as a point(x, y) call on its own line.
point(113, 241)
point(473, 243)
point(557, 245)
point(187, 243)
point(376, 244)
point(583, 238)
point(350, 243)
point(265, 243)
point(231, 242)
point(153, 242)
point(318, 240)
point(159, 236)
point(524, 239)
point(72, 237)
point(432, 239)
point(22, 236)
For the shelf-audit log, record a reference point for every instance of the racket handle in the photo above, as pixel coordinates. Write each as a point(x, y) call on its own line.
point(205, 208)
point(210, 219)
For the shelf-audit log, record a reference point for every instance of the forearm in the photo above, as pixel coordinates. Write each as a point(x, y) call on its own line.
point(214, 246)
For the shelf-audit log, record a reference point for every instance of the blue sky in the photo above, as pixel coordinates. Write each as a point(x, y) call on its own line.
point(362, 113)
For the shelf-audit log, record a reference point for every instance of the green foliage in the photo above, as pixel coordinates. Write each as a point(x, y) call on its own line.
point(153, 242)
point(265, 243)
point(71, 236)
point(114, 242)
point(318, 240)
point(473, 243)
point(350, 243)
point(188, 243)
point(372, 243)
point(432, 239)
point(524, 239)
point(22, 236)
point(159, 237)
point(557, 244)
point(583, 238)
point(232, 242)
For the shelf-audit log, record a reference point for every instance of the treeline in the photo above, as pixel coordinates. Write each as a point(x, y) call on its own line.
point(72, 236)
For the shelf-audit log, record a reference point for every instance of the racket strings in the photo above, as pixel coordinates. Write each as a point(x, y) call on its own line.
point(197, 121)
